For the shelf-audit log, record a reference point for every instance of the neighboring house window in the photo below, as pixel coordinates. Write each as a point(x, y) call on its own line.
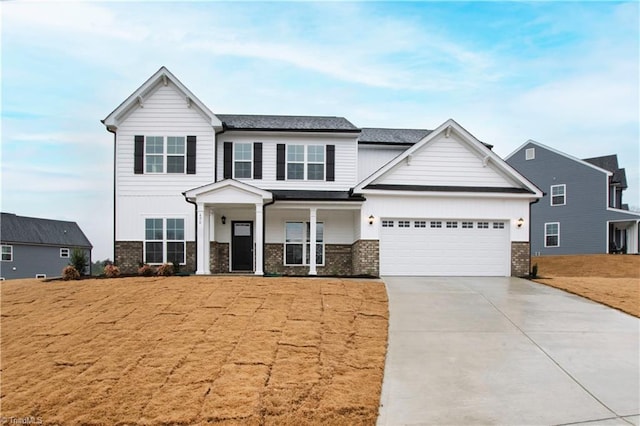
point(242, 160)
point(64, 252)
point(530, 154)
point(552, 234)
point(7, 253)
point(305, 162)
point(558, 195)
point(297, 243)
point(164, 241)
point(154, 149)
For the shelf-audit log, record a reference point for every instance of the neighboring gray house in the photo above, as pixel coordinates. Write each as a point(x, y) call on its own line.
point(38, 248)
point(582, 210)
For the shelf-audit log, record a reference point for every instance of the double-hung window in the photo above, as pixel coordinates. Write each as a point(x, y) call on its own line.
point(7, 253)
point(558, 195)
point(552, 234)
point(305, 162)
point(242, 160)
point(158, 159)
point(164, 240)
point(298, 244)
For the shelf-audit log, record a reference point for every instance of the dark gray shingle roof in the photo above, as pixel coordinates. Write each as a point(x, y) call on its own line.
point(31, 230)
point(286, 123)
point(392, 136)
point(610, 162)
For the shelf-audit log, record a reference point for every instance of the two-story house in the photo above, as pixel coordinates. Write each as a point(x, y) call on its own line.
point(34, 247)
point(301, 195)
point(582, 210)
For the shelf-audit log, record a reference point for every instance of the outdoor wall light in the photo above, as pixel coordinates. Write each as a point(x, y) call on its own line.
point(520, 222)
point(223, 219)
point(371, 219)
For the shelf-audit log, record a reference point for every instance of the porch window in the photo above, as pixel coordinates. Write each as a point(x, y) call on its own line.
point(298, 245)
point(164, 241)
point(552, 234)
point(7, 253)
point(242, 161)
point(558, 195)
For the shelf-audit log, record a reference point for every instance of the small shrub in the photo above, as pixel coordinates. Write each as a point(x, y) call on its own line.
point(70, 273)
point(534, 271)
point(79, 260)
point(145, 270)
point(165, 270)
point(111, 271)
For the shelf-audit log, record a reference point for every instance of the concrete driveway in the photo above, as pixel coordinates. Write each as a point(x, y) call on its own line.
point(506, 351)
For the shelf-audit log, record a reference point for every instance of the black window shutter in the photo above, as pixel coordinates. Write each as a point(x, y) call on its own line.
point(138, 155)
point(228, 160)
point(257, 160)
point(331, 163)
point(280, 161)
point(191, 155)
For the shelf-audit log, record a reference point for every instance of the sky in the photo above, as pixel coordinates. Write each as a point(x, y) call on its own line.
point(565, 74)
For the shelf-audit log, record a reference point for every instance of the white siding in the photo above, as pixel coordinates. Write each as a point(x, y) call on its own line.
point(445, 162)
point(345, 167)
point(371, 158)
point(338, 225)
point(132, 210)
point(164, 113)
point(494, 208)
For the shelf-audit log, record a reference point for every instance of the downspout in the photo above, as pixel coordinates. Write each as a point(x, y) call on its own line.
point(264, 232)
point(114, 190)
point(195, 221)
point(530, 228)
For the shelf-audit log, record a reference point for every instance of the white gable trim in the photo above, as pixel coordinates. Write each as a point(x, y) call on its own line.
point(241, 187)
point(483, 152)
point(555, 151)
point(136, 100)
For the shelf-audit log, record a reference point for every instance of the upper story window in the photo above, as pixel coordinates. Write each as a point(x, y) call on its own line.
point(242, 160)
point(305, 162)
point(558, 195)
point(7, 253)
point(160, 154)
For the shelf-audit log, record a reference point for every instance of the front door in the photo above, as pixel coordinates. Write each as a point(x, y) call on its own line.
point(241, 246)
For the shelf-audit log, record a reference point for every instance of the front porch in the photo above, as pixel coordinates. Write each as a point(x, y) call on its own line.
point(244, 229)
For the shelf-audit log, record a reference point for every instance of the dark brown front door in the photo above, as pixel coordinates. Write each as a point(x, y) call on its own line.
point(241, 246)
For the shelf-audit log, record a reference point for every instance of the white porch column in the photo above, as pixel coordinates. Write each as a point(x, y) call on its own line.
point(312, 241)
point(259, 240)
point(202, 228)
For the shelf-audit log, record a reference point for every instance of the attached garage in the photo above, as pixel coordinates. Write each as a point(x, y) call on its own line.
point(444, 247)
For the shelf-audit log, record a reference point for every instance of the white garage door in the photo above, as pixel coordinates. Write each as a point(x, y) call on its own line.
point(442, 247)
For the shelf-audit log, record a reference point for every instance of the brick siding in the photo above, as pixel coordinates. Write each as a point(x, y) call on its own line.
point(129, 256)
point(366, 257)
point(337, 261)
point(219, 257)
point(520, 258)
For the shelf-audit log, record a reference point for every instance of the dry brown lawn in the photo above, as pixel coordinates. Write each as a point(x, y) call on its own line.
point(613, 280)
point(193, 350)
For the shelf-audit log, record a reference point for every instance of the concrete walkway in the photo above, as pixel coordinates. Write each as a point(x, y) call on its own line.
point(476, 351)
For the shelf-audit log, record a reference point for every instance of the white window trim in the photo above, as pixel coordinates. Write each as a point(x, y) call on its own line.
point(165, 155)
point(233, 160)
point(164, 239)
point(564, 195)
point(546, 234)
point(10, 252)
point(305, 162)
point(65, 250)
point(530, 154)
point(304, 245)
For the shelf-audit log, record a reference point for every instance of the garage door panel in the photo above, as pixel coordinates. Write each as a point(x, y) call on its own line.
point(445, 251)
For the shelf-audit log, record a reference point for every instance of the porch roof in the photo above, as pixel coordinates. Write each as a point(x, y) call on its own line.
point(301, 195)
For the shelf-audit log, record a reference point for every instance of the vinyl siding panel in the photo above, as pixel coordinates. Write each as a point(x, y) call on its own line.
point(445, 162)
point(583, 219)
point(372, 158)
point(131, 212)
point(30, 260)
point(164, 113)
point(346, 155)
point(338, 225)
